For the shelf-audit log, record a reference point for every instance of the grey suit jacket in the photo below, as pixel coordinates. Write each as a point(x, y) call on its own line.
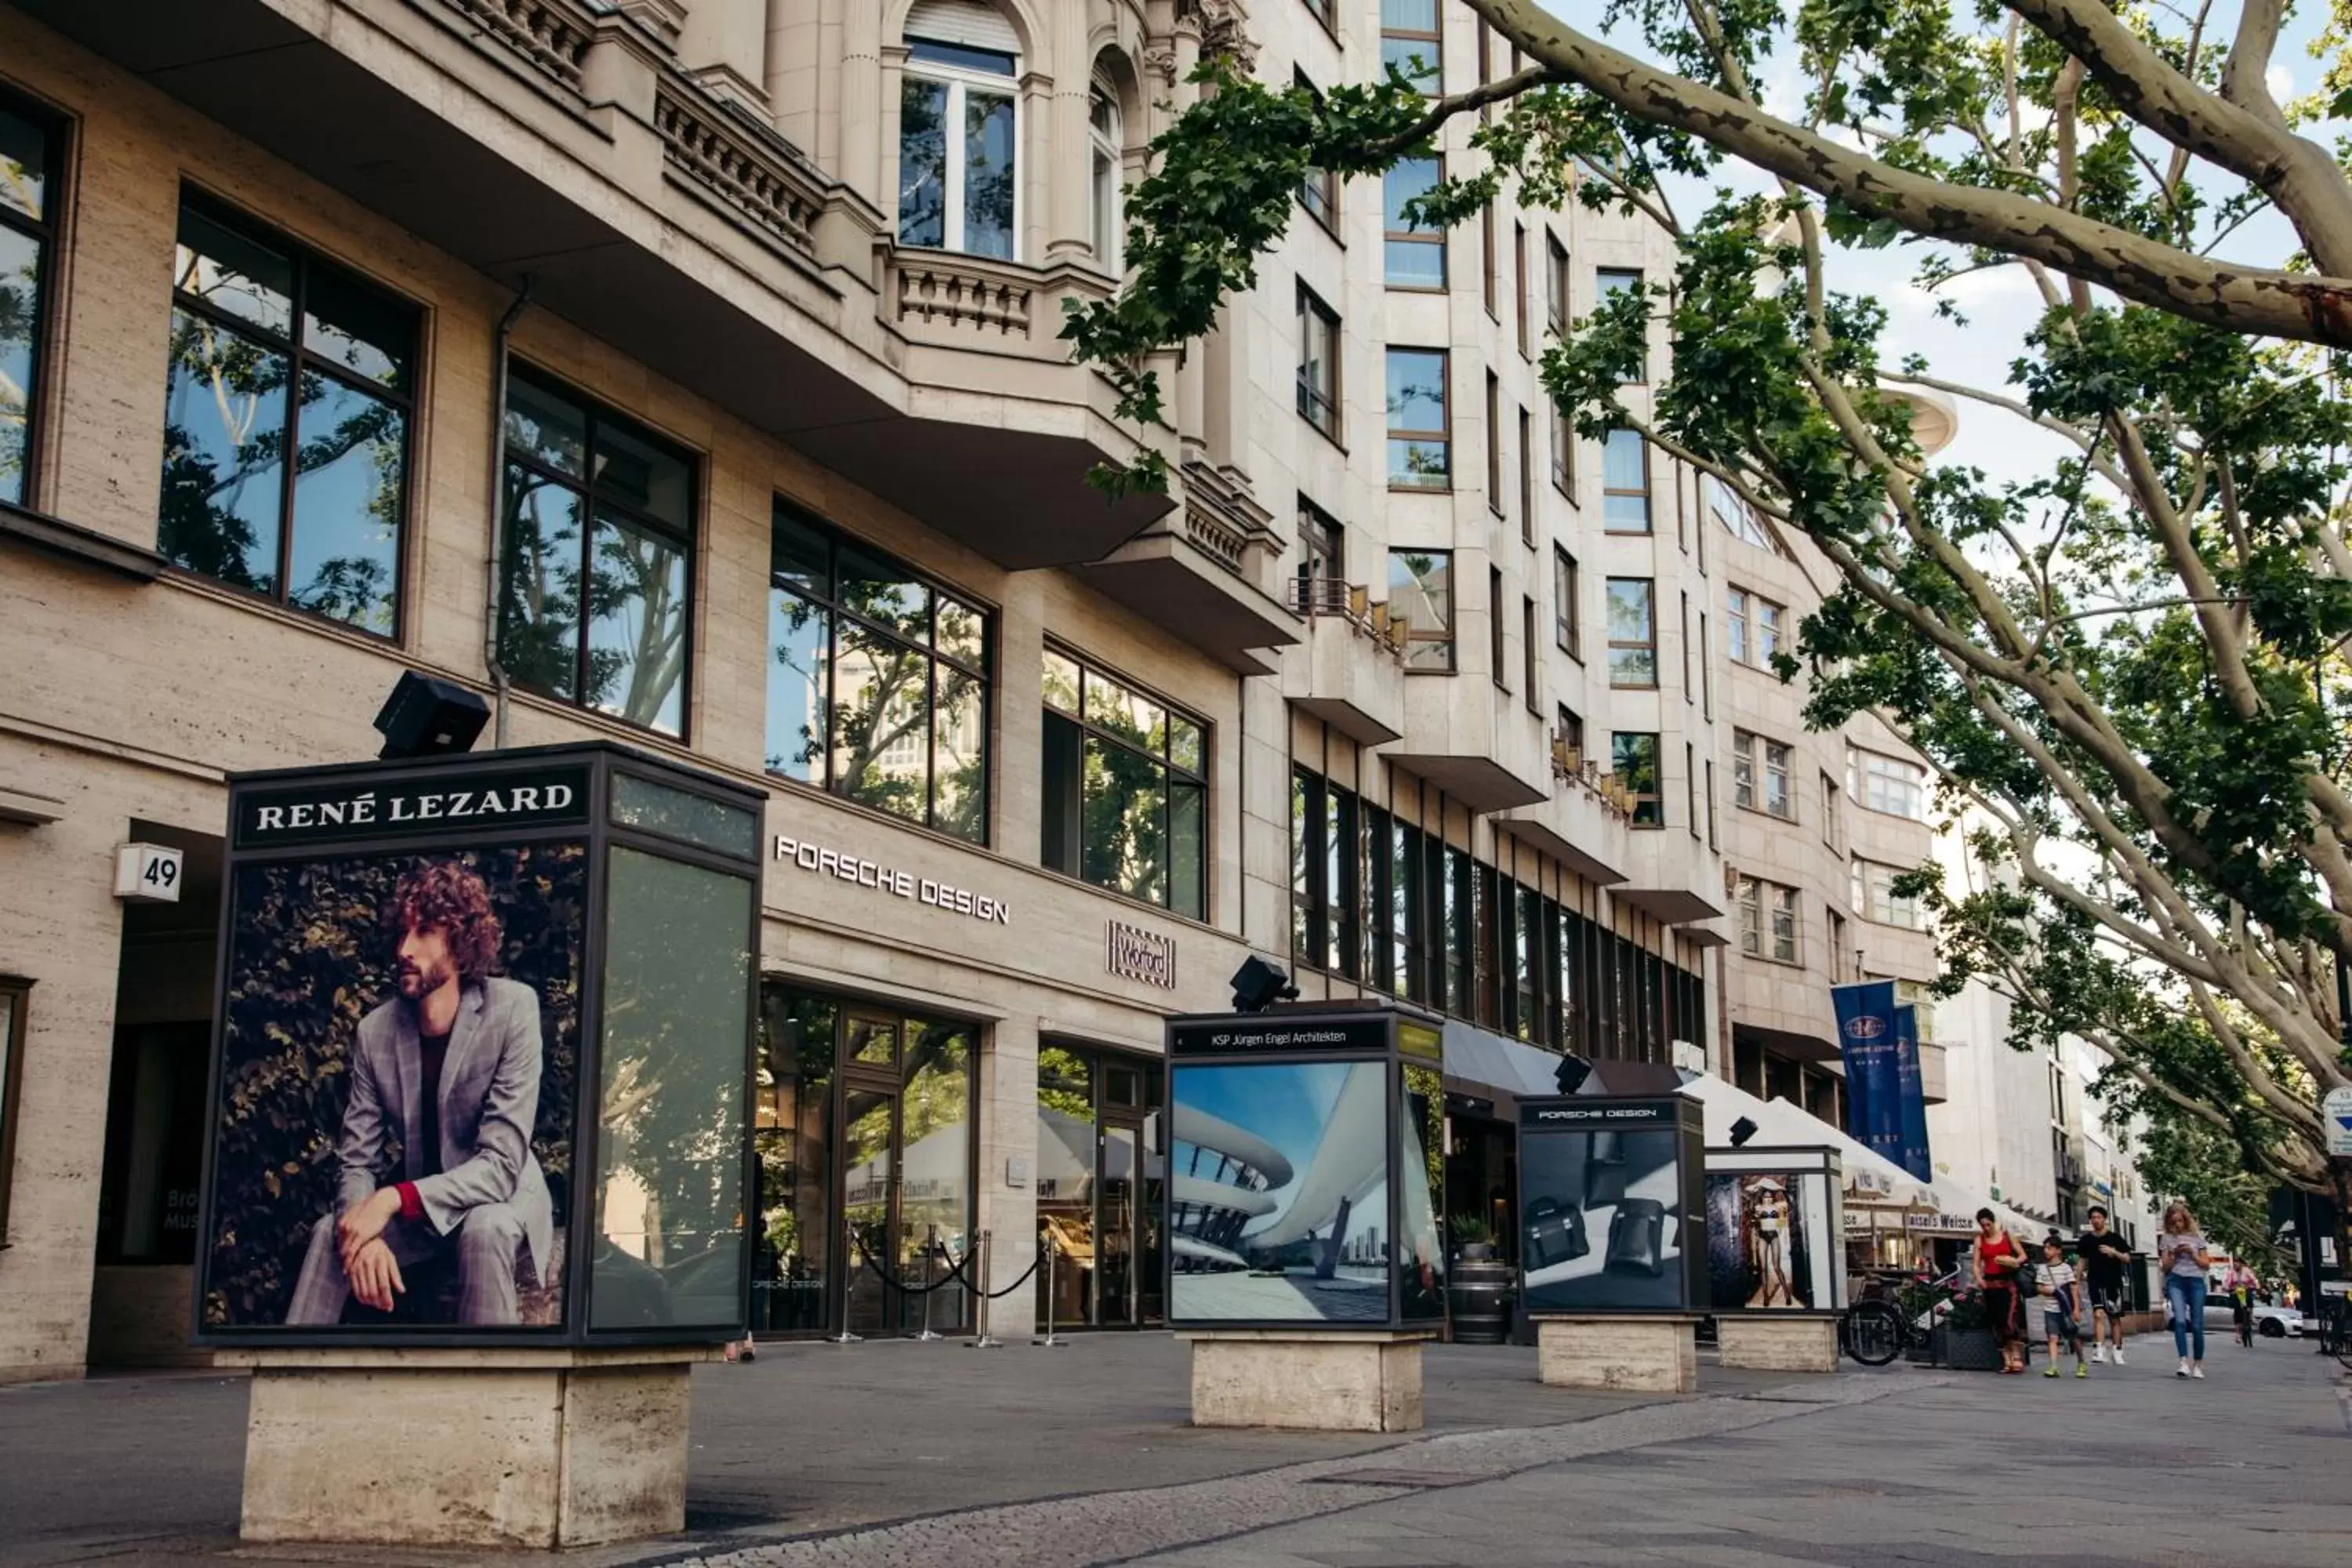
point(489, 1105)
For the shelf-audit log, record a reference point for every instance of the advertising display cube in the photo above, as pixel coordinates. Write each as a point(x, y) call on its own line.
point(481, 1091)
point(1775, 1255)
point(1610, 1196)
point(1613, 1269)
point(1775, 1230)
point(1305, 1157)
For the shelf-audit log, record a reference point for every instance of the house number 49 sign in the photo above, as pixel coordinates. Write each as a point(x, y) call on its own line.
point(148, 873)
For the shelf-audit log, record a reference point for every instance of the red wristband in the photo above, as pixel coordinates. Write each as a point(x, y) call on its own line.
point(412, 1208)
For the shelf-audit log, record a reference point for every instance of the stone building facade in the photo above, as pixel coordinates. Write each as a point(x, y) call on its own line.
point(685, 372)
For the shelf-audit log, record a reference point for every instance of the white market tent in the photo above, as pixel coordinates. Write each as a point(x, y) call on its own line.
point(1779, 1121)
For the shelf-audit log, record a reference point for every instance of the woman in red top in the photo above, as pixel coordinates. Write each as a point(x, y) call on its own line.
point(2000, 1260)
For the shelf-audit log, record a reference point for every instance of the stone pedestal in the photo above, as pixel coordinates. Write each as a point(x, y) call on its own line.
point(1778, 1342)
point(1335, 1382)
point(466, 1448)
point(1623, 1353)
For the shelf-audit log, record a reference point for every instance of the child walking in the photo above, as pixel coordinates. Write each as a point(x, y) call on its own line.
point(2062, 1318)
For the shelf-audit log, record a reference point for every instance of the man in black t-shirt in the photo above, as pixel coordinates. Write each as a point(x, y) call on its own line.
point(2101, 1255)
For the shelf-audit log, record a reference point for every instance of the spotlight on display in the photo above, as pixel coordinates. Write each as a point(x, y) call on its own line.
point(1258, 985)
point(1570, 1074)
point(429, 718)
point(1741, 1132)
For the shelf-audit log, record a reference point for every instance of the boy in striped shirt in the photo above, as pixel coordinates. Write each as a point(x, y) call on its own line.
point(2062, 1318)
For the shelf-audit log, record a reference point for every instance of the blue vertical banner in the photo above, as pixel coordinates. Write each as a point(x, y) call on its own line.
point(1914, 1119)
point(1874, 1091)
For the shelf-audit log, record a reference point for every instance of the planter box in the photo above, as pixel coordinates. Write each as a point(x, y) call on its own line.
point(1965, 1349)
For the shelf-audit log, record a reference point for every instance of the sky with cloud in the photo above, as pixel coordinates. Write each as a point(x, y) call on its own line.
point(2000, 305)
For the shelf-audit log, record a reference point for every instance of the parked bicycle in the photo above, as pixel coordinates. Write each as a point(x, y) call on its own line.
point(2335, 1323)
point(1895, 1312)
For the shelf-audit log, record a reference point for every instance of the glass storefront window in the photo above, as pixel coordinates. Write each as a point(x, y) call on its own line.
point(669, 1175)
point(867, 1127)
point(1098, 1188)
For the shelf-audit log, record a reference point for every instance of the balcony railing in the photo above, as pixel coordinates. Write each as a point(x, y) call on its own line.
point(553, 35)
point(943, 288)
point(1352, 603)
point(745, 165)
point(1570, 766)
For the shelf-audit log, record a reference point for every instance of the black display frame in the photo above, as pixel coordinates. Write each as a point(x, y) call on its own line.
point(1272, 1038)
point(1823, 1161)
point(1552, 1115)
point(598, 764)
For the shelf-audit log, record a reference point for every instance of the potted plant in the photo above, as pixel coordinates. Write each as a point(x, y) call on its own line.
point(1964, 1340)
point(1479, 1293)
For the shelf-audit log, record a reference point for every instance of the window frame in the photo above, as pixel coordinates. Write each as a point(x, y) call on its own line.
point(1528, 657)
point(1610, 491)
point(1498, 648)
point(1556, 288)
point(1106, 231)
point(1860, 768)
point(1631, 277)
point(595, 414)
point(1414, 632)
point(1519, 288)
point(1493, 442)
point(1563, 454)
point(1527, 478)
point(1442, 438)
point(1568, 610)
point(1432, 239)
point(1759, 918)
point(1323, 203)
point(1175, 772)
point(1433, 57)
point(48, 235)
point(1313, 520)
point(1491, 285)
point(983, 670)
point(292, 345)
point(1651, 800)
point(1755, 760)
point(1874, 899)
point(16, 990)
point(959, 80)
point(1648, 645)
point(1311, 308)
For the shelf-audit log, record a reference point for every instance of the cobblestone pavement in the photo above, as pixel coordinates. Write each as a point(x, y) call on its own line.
point(1069, 1532)
point(2130, 1465)
point(888, 1454)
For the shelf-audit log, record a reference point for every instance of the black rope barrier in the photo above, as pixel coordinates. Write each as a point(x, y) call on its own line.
point(955, 1272)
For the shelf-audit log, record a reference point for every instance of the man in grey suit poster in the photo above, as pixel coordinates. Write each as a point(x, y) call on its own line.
point(447, 1070)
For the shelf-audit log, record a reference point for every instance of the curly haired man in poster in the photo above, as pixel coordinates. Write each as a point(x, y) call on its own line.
point(450, 1068)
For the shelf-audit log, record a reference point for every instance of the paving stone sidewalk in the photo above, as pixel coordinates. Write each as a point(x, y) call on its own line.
point(813, 1440)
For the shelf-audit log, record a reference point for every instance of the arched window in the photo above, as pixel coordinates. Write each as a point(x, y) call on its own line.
point(959, 131)
point(1107, 151)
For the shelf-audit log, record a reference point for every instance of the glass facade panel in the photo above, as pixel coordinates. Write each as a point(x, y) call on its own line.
point(879, 693)
point(669, 1197)
point(273, 352)
point(1123, 802)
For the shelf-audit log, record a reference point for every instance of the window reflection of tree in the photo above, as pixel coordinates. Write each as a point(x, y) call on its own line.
point(887, 719)
point(223, 510)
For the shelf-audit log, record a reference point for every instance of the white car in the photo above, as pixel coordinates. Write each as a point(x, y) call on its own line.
point(2270, 1322)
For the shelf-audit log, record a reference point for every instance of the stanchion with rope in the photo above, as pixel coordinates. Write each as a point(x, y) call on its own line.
point(1051, 1341)
point(982, 1339)
point(930, 1252)
point(849, 1256)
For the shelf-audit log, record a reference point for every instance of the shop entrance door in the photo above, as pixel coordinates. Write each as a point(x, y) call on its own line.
point(1099, 1189)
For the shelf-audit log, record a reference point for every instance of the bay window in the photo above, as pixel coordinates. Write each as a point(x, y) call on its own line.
point(959, 131)
point(1633, 757)
point(1768, 920)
